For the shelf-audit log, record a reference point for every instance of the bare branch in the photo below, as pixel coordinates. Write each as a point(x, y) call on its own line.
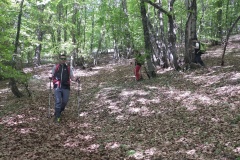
point(158, 7)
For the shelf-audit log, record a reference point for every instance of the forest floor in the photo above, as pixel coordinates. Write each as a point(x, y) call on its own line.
point(175, 116)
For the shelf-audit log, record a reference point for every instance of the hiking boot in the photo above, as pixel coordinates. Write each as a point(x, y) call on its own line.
point(57, 120)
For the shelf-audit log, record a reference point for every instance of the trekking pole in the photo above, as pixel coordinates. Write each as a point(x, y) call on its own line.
point(78, 97)
point(49, 100)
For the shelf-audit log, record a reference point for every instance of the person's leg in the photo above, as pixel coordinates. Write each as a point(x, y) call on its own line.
point(200, 61)
point(58, 102)
point(137, 74)
point(196, 58)
point(65, 98)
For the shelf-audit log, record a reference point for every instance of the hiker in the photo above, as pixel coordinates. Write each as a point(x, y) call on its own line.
point(61, 75)
point(139, 61)
point(198, 53)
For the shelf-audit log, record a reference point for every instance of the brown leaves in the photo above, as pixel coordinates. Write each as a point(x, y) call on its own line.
point(191, 115)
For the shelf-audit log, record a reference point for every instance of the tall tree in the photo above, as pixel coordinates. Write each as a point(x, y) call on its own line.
point(16, 58)
point(39, 32)
point(148, 45)
point(171, 30)
point(190, 31)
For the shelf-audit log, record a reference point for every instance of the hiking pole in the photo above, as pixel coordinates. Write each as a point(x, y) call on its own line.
point(78, 96)
point(49, 100)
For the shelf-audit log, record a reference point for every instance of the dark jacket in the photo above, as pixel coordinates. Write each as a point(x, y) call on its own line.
point(61, 76)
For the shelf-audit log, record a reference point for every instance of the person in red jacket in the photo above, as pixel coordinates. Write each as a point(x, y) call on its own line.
point(61, 76)
point(139, 61)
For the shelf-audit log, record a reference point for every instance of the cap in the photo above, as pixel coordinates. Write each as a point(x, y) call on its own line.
point(63, 57)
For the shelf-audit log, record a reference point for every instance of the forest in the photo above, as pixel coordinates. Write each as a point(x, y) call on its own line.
point(179, 110)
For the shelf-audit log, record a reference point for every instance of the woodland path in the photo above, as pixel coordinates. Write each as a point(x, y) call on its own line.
point(178, 115)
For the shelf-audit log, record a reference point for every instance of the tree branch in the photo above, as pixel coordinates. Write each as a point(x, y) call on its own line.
point(158, 7)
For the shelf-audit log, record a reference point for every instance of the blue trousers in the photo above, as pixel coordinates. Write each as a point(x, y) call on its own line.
point(61, 99)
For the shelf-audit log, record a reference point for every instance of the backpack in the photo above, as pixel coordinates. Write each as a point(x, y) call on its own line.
point(202, 48)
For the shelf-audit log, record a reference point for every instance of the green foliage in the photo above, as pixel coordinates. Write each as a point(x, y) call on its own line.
point(7, 72)
point(55, 20)
point(203, 47)
point(142, 58)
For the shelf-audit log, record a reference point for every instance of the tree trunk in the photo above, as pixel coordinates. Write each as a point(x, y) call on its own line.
point(190, 32)
point(228, 35)
point(59, 29)
point(148, 45)
point(14, 88)
point(73, 32)
point(128, 35)
point(163, 39)
point(172, 36)
point(12, 82)
point(65, 36)
point(39, 47)
point(171, 31)
point(219, 20)
point(92, 36)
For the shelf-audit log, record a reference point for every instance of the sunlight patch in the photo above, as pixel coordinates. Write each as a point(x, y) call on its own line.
point(191, 107)
point(87, 137)
point(155, 101)
point(215, 119)
point(92, 147)
point(144, 111)
point(137, 155)
point(231, 90)
point(235, 76)
point(207, 148)
point(184, 140)
point(237, 150)
point(134, 110)
point(151, 151)
point(205, 80)
point(4, 90)
point(25, 130)
point(115, 109)
point(191, 152)
point(83, 114)
point(85, 125)
point(189, 99)
point(128, 93)
point(72, 143)
point(152, 87)
point(143, 101)
point(183, 95)
point(112, 145)
point(121, 117)
point(11, 121)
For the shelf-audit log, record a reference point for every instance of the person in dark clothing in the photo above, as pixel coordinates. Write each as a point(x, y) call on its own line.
point(139, 61)
point(198, 53)
point(61, 76)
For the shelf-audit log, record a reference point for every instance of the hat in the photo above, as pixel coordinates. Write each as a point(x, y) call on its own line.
point(63, 57)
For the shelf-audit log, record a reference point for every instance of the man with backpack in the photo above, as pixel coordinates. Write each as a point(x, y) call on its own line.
point(61, 76)
point(198, 48)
